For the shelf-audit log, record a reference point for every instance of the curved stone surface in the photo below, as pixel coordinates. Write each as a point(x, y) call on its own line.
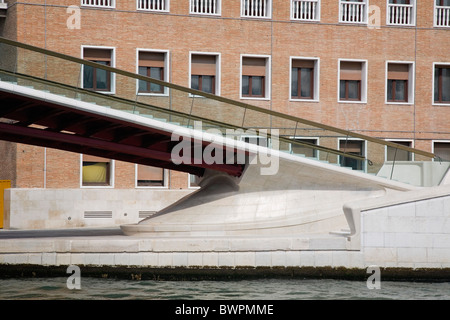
point(304, 197)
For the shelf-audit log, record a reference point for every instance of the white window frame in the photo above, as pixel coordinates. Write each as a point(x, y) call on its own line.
point(268, 15)
point(218, 70)
point(218, 8)
point(413, 16)
point(363, 81)
point(438, 141)
point(365, 4)
point(268, 76)
point(317, 11)
point(166, 9)
point(399, 140)
point(111, 6)
point(111, 178)
point(305, 138)
point(166, 71)
point(411, 82)
point(165, 181)
point(432, 84)
point(435, 16)
point(113, 65)
point(363, 155)
point(316, 83)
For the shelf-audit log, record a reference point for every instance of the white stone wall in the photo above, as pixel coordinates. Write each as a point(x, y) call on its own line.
point(192, 259)
point(414, 234)
point(65, 208)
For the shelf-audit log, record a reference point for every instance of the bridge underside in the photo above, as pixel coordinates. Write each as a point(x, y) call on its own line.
point(42, 123)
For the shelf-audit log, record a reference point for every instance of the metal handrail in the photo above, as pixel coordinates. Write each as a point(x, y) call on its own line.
point(216, 98)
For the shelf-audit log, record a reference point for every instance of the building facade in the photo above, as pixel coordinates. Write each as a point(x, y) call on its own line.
point(379, 67)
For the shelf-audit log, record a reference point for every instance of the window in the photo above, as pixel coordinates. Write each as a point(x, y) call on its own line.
point(442, 150)
point(352, 85)
point(304, 148)
point(401, 12)
point(192, 182)
point(98, 3)
point(153, 65)
point(96, 171)
point(147, 176)
point(256, 8)
point(205, 6)
point(94, 78)
point(304, 79)
point(255, 77)
point(395, 154)
point(308, 10)
point(153, 5)
point(257, 140)
point(442, 13)
point(204, 70)
point(399, 82)
point(354, 147)
point(441, 83)
point(354, 11)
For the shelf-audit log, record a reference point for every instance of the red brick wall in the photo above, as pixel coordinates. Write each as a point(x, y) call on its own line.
point(126, 29)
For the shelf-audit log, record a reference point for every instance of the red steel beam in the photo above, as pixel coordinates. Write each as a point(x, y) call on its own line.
point(58, 137)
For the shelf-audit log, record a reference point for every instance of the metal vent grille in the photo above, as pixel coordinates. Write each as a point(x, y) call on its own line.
point(146, 214)
point(98, 214)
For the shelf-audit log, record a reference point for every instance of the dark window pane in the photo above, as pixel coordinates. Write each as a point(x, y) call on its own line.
point(143, 71)
point(155, 73)
point(446, 84)
point(355, 148)
point(352, 163)
point(88, 77)
point(257, 86)
point(207, 84)
point(294, 84)
point(400, 87)
point(102, 79)
point(390, 93)
point(142, 84)
point(194, 82)
point(342, 89)
point(436, 84)
point(306, 83)
point(245, 88)
point(399, 1)
point(353, 90)
point(442, 150)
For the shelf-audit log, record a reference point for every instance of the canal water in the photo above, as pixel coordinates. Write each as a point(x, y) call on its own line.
point(56, 288)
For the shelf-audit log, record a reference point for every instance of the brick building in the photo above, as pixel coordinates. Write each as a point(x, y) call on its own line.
point(379, 67)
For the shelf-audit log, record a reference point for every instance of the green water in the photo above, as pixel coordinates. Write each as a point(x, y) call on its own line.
point(267, 289)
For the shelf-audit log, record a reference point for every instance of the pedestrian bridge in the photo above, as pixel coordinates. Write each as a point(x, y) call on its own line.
point(260, 171)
